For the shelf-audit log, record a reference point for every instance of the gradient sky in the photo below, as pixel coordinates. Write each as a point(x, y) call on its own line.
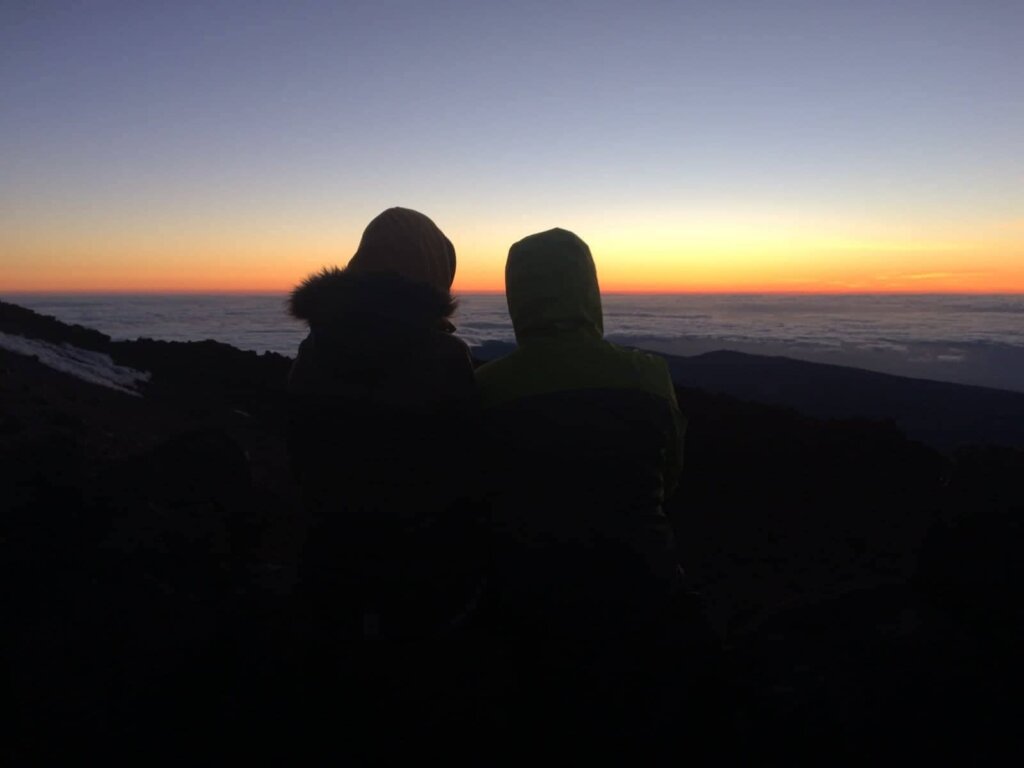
point(724, 146)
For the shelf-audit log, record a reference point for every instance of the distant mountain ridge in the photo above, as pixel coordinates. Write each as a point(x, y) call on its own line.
point(942, 414)
point(939, 413)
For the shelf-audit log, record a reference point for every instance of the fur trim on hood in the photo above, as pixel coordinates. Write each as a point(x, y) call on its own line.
point(328, 296)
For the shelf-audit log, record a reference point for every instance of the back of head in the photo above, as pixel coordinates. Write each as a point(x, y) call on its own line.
point(551, 286)
point(407, 243)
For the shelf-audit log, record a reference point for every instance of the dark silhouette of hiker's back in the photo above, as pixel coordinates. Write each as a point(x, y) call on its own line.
point(585, 441)
point(383, 404)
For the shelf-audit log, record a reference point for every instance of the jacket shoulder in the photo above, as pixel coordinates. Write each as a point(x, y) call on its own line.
point(651, 371)
point(566, 367)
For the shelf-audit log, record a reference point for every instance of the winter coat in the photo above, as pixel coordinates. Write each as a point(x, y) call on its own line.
point(585, 442)
point(383, 410)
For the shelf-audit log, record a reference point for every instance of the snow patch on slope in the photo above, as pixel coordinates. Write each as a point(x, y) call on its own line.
point(94, 367)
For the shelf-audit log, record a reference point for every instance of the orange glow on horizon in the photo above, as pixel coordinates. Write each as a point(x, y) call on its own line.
point(612, 282)
point(637, 287)
point(712, 253)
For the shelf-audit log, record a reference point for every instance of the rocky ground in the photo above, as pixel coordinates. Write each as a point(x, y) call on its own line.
point(867, 587)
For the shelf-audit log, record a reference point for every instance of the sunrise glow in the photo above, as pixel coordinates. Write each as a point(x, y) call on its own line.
point(695, 148)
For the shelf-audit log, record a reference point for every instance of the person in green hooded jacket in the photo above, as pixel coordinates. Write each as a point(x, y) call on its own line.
point(584, 442)
point(585, 445)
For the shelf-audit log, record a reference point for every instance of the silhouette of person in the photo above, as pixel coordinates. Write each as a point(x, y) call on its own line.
point(589, 441)
point(584, 444)
point(382, 406)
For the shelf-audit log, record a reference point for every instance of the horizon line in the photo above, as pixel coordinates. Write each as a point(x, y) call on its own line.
point(494, 291)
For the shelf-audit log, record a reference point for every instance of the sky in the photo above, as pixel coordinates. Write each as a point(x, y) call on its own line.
point(769, 145)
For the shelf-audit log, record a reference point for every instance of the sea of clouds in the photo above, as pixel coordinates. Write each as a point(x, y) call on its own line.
point(969, 339)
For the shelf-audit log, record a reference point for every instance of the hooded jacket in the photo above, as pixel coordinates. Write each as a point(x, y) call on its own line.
point(585, 443)
point(382, 408)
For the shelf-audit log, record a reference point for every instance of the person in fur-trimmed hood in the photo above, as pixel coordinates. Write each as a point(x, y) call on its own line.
point(382, 411)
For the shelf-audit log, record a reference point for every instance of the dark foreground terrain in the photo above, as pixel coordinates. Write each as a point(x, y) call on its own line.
point(867, 587)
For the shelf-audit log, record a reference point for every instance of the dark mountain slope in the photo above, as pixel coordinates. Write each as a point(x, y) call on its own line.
point(941, 414)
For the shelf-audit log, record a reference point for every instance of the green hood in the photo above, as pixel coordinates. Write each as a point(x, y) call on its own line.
point(551, 287)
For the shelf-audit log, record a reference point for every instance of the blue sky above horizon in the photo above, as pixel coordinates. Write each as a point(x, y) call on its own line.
point(711, 145)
